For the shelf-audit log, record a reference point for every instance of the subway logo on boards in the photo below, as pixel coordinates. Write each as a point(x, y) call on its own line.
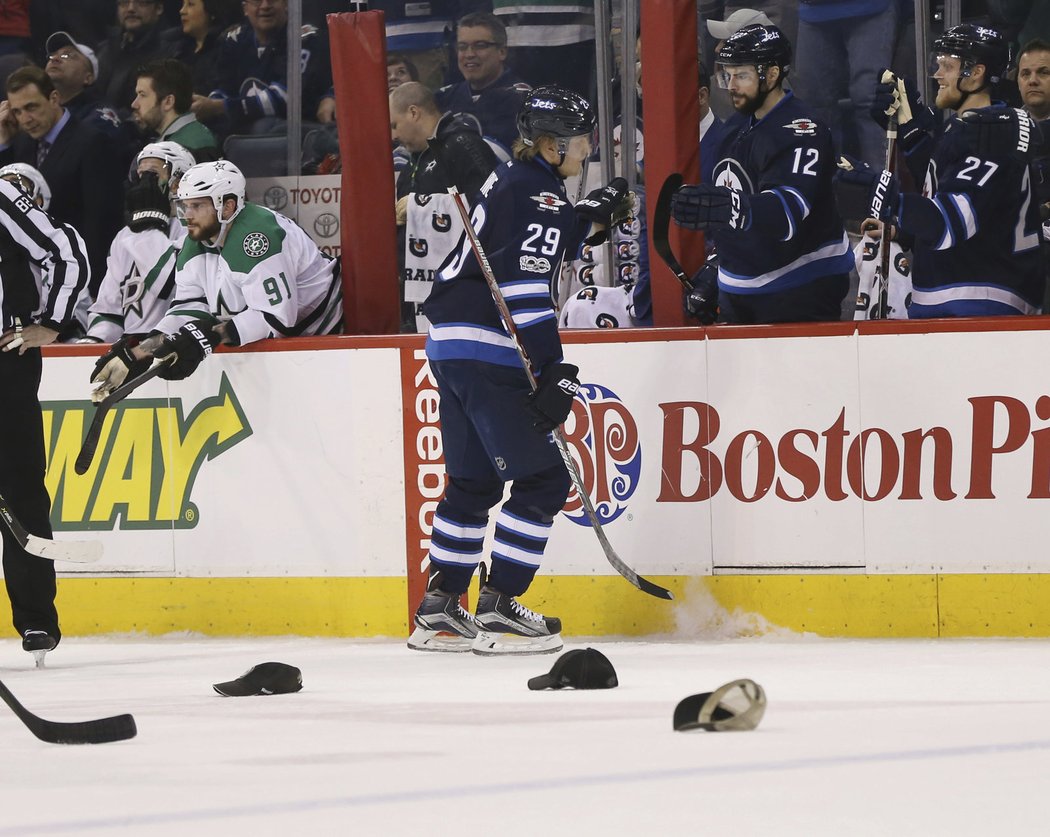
point(147, 460)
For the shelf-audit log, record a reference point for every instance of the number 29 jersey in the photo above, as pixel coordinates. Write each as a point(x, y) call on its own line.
point(525, 224)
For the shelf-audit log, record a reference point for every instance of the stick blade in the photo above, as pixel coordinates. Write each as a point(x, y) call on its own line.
point(101, 731)
point(646, 586)
point(662, 226)
point(79, 552)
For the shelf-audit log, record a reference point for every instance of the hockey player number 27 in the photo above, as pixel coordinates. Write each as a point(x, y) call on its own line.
point(273, 289)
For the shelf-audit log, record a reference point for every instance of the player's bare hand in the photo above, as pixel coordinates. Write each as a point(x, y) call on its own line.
point(24, 338)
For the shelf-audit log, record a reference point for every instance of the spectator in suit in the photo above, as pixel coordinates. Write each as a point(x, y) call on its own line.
point(161, 108)
point(136, 41)
point(489, 91)
point(79, 162)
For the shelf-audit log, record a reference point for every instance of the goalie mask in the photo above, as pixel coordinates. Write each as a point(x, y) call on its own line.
point(30, 181)
point(216, 181)
point(973, 45)
point(178, 159)
point(553, 111)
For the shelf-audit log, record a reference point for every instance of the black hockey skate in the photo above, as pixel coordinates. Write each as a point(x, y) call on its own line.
point(38, 643)
point(441, 622)
point(505, 626)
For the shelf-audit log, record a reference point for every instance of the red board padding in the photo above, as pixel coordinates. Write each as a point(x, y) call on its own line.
point(368, 236)
point(670, 89)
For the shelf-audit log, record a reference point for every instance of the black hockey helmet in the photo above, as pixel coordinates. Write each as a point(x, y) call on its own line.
point(973, 45)
point(556, 112)
point(758, 44)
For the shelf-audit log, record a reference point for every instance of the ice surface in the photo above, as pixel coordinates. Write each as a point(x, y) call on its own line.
point(860, 737)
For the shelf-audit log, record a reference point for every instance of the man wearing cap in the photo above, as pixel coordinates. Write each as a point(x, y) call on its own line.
point(79, 162)
point(73, 68)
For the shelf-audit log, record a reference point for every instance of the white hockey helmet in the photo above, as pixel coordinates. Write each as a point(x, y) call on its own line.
point(179, 160)
point(214, 180)
point(29, 180)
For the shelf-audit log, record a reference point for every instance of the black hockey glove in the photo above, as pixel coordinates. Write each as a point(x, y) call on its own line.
point(863, 192)
point(900, 96)
point(116, 366)
point(190, 345)
point(701, 301)
point(994, 133)
point(704, 207)
point(606, 206)
point(551, 403)
point(146, 205)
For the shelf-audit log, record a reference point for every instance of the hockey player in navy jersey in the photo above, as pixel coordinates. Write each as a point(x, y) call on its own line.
point(976, 225)
point(494, 430)
point(783, 253)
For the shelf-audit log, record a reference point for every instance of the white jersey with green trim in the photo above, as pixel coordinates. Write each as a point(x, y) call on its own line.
point(268, 277)
point(136, 291)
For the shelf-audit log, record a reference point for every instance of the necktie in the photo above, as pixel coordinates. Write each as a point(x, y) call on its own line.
point(41, 152)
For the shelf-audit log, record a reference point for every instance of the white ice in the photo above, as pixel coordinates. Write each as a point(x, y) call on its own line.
point(860, 737)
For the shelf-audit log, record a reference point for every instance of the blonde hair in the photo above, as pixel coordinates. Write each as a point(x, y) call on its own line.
point(524, 152)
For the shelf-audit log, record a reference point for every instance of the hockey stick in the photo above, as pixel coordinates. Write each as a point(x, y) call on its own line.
point(882, 307)
point(662, 227)
point(642, 584)
point(101, 731)
point(83, 552)
point(87, 450)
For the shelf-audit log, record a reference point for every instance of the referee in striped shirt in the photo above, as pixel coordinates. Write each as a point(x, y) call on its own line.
point(34, 307)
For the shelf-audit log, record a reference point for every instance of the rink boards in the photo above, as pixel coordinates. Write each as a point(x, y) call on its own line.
point(887, 482)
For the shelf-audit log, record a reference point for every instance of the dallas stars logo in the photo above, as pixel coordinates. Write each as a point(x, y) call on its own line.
point(256, 244)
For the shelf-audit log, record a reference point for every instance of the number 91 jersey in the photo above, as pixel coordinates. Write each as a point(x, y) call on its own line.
point(784, 162)
point(525, 224)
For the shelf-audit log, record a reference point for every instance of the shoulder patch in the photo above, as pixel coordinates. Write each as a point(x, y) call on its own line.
point(548, 201)
point(255, 245)
point(802, 127)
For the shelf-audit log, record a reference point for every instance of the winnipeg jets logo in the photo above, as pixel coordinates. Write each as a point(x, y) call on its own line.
point(256, 244)
point(442, 222)
point(548, 201)
point(802, 127)
point(422, 199)
point(418, 246)
point(731, 174)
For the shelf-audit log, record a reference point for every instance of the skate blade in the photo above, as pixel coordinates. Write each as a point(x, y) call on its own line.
point(490, 644)
point(38, 658)
point(424, 640)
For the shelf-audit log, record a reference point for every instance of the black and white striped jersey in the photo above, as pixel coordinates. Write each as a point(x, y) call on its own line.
point(29, 236)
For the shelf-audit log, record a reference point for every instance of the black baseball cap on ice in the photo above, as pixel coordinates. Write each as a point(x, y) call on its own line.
point(263, 679)
point(584, 668)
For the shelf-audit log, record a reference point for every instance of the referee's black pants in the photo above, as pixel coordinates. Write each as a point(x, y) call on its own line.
point(30, 580)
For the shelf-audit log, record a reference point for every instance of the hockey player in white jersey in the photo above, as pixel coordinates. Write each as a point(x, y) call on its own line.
point(136, 291)
point(245, 273)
